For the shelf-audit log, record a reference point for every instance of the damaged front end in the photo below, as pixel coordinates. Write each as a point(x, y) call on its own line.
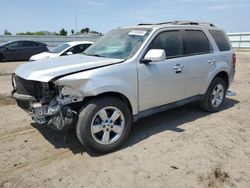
point(45, 102)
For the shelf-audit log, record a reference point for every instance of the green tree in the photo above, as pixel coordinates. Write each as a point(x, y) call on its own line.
point(72, 31)
point(6, 32)
point(63, 32)
point(25, 33)
point(40, 33)
point(85, 30)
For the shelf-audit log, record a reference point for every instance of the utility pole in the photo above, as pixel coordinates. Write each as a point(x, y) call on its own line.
point(75, 22)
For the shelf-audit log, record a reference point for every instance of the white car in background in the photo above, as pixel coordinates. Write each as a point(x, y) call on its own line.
point(67, 48)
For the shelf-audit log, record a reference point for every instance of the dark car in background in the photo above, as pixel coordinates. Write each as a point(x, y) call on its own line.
point(20, 50)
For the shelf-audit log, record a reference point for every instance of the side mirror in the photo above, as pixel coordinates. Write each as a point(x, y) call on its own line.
point(69, 53)
point(6, 48)
point(154, 55)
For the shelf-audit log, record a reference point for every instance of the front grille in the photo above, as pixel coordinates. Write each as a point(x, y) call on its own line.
point(28, 87)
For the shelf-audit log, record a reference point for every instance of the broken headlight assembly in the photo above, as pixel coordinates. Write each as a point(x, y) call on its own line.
point(57, 113)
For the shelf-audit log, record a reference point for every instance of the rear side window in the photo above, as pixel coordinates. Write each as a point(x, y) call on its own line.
point(197, 42)
point(220, 40)
point(29, 44)
point(170, 41)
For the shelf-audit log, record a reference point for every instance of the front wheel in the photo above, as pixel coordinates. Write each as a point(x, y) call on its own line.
point(215, 95)
point(104, 124)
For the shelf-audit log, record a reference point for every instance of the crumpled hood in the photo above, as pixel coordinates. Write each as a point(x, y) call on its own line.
point(44, 55)
point(47, 69)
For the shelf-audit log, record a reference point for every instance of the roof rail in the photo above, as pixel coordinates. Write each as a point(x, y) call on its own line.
point(155, 23)
point(180, 22)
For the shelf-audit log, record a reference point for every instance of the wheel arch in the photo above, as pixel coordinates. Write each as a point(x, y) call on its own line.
point(117, 95)
point(221, 74)
point(224, 76)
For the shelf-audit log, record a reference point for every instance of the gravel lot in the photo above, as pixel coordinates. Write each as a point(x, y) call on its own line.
point(183, 147)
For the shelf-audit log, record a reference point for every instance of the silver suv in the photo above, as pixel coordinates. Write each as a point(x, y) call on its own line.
point(127, 74)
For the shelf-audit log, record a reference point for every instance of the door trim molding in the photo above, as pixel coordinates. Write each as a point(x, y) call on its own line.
point(165, 107)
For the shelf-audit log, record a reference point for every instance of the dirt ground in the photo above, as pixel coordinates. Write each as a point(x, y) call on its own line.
point(183, 147)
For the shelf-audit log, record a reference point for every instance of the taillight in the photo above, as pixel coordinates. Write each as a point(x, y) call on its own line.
point(234, 60)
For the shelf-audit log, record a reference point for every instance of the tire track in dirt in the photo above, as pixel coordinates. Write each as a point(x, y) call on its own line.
point(18, 132)
point(36, 164)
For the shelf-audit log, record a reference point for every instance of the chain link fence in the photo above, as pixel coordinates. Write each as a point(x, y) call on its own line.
point(240, 40)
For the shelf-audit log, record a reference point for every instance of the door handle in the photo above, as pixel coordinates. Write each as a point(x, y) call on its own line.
point(211, 61)
point(178, 68)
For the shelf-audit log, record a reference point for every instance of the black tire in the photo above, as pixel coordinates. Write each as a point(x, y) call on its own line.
point(206, 102)
point(1, 58)
point(88, 113)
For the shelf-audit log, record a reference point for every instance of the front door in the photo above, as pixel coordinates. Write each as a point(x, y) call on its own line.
point(163, 82)
point(13, 51)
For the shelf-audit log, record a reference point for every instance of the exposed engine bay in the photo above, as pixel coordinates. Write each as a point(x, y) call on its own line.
point(45, 102)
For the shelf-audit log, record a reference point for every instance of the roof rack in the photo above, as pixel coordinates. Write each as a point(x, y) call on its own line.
point(180, 22)
point(155, 23)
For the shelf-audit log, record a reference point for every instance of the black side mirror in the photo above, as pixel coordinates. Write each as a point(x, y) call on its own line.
point(6, 48)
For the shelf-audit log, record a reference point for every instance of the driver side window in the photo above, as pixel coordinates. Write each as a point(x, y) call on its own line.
point(170, 41)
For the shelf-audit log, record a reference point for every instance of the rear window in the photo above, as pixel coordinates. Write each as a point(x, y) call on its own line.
point(29, 44)
point(220, 40)
point(198, 42)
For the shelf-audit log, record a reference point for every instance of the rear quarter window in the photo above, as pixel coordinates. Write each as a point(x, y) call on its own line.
point(221, 40)
point(198, 42)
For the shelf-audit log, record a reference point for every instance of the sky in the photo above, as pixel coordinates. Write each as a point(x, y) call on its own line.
point(104, 15)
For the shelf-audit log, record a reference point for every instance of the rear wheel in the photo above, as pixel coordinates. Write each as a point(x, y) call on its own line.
point(1, 58)
point(215, 95)
point(104, 124)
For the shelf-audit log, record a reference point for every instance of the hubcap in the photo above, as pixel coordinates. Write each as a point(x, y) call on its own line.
point(107, 125)
point(217, 95)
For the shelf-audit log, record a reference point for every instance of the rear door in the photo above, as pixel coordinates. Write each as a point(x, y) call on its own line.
point(200, 60)
point(29, 48)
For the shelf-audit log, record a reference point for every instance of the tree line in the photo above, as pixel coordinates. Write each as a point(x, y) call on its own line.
point(62, 32)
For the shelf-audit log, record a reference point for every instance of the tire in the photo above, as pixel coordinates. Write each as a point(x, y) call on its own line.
point(92, 118)
point(1, 58)
point(214, 99)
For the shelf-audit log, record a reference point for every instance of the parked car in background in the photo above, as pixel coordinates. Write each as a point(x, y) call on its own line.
point(20, 50)
point(67, 48)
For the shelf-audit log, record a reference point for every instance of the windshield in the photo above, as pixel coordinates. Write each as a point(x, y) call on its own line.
point(59, 48)
point(119, 43)
point(3, 44)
